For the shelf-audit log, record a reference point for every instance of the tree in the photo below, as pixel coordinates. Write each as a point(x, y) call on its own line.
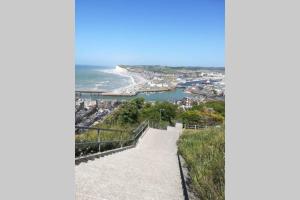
point(139, 102)
point(160, 110)
point(191, 117)
point(151, 114)
point(168, 111)
point(129, 114)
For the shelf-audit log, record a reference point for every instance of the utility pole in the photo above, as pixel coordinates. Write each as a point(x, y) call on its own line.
point(160, 114)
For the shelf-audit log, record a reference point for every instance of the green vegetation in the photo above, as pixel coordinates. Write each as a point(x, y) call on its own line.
point(205, 114)
point(128, 117)
point(217, 106)
point(160, 112)
point(203, 150)
point(134, 112)
point(204, 153)
point(171, 69)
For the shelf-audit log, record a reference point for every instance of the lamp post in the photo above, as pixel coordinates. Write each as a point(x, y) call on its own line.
point(160, 114)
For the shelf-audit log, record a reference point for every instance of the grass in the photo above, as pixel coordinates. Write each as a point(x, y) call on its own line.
point(111, 139)
point(92, 136)
point(204, 153)
point(125, 133)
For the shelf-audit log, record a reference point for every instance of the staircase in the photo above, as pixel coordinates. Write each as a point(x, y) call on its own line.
point(148, 171)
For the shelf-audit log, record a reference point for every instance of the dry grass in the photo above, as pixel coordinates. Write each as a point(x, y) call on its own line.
point(204, 153)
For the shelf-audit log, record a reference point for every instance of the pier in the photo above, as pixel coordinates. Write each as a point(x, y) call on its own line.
point(78, 93)
point(89, 91)
point(119, 94)
point(109, 93)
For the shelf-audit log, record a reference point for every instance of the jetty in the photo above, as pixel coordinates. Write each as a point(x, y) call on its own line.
point(96, 92)
point(90, 91)
point(120, 94)
point(136, 92)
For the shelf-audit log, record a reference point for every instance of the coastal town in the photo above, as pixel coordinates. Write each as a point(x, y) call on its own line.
point(149, 100)
point(202, 81)
point(198, 84)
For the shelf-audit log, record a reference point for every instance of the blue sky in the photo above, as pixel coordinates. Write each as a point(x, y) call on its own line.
point(162, 32)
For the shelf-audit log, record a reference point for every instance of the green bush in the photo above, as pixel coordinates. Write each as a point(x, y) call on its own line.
point(204, 118)
point(160, 111)
point(217, 106)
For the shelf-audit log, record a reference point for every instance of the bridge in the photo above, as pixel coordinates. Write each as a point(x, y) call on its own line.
point(150, 170)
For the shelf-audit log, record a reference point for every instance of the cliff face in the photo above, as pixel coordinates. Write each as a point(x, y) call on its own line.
point(120, 69)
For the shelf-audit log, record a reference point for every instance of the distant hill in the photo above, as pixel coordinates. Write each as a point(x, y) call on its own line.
point(170, 69)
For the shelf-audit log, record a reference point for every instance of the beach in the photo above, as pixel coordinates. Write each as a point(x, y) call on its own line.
point(116, 81)
point(131, 89)
point(99, 78)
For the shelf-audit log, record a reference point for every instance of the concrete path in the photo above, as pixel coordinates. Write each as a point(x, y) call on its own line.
point(150, 171)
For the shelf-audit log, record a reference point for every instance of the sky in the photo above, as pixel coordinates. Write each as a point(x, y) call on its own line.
point(153, 32)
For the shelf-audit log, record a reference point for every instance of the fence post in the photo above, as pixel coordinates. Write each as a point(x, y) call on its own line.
point(195, 127)
point(99, 145)
point(121, 139)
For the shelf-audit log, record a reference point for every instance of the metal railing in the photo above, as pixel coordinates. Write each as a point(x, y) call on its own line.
point(97, 140)
point(200, 126)
point(192, 126)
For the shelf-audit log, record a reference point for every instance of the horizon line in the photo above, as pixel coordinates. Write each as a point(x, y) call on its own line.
point(93, 65)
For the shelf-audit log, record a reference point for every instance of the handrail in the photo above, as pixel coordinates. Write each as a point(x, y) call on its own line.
point(95, 146)
point(198, 126)
point(101, 129)
point(143, 125)
point(102, 142)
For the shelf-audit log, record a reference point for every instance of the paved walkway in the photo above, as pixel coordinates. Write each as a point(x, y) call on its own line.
point(149, 171)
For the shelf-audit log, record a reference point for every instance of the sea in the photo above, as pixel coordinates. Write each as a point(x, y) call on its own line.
point(100, 78)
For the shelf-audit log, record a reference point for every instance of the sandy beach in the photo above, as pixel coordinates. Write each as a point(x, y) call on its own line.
point(136, 81)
